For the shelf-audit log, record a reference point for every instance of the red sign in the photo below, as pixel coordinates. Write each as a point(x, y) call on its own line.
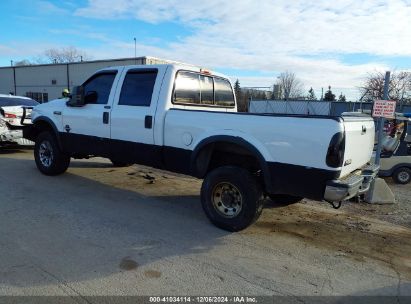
point(384, 108)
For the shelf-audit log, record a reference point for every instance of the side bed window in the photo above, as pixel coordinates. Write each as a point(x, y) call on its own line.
point(100, 84)
point(138, 88)
point(197, 89)
point(223, 93)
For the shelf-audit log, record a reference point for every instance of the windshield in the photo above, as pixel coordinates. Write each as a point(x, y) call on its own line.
point(15, 101)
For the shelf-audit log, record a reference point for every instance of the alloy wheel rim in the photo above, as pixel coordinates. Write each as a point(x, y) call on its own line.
point(227, 200)
point(46, 153)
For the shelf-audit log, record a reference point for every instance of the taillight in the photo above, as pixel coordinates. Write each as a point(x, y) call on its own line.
point(10, 115)
point(335, 153)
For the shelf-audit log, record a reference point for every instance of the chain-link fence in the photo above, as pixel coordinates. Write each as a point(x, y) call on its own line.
point(307, 107)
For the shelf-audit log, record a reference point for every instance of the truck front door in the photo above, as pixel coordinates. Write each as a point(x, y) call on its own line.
point(86, 130)
point(133, 116)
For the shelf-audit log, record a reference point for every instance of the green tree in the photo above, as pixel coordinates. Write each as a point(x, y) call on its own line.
point(342, 98)
point(311, 94)
point(329, 96)
point(241, 97)
point(237, 89)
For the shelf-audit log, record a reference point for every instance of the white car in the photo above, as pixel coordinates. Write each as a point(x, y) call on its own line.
point(12, 122)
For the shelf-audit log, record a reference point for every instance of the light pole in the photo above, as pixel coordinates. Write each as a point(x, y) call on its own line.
point(135, 50)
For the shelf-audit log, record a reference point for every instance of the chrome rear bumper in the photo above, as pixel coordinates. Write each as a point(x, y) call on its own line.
point(355, 184)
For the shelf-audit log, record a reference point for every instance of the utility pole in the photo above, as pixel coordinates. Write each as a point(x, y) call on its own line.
point(379, 191)
point(381, 120)
point(11, 62)
point(135, 50)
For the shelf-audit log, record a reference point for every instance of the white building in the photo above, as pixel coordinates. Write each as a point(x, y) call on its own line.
point(45, 82)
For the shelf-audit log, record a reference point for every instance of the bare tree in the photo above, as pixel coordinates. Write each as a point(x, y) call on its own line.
point(22, 62)
point(399, 87)
point(290, 85)
point(63, 55)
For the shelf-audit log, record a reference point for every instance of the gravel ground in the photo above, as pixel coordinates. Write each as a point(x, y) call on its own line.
point(99, 230)
point(398, 213)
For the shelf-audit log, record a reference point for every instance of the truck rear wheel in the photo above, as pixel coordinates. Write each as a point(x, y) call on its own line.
point(50, 160)
point(232, 198)
point(402, 175)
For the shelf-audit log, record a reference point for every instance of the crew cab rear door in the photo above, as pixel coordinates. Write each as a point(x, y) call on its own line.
point(133, 115)
point(86, 129)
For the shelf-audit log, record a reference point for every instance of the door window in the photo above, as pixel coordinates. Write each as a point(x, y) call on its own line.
point(138, 88)
point(100, 84)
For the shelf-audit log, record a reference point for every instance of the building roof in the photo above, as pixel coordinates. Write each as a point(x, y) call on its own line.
point(96, 61)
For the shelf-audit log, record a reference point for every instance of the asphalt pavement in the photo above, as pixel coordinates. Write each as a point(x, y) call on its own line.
point(82, 234)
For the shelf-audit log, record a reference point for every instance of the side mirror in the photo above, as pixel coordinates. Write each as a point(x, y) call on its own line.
point(91, 97)
point(77, 97)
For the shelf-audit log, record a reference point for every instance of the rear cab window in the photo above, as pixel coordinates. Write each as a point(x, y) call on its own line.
point(187, 88)
point(197, 89)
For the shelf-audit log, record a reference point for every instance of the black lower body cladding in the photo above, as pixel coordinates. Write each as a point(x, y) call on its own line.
point(299, 180)
point(283, 178)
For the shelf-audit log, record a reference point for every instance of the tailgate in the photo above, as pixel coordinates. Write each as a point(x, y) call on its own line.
point(359, 142)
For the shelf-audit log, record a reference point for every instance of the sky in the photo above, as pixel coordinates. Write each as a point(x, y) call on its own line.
point(323, 42)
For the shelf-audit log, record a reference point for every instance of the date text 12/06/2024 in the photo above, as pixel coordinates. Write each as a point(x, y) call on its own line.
point(200, 299)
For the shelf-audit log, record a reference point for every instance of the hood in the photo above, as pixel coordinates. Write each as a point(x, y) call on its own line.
point(54, 102)
point(49, 107)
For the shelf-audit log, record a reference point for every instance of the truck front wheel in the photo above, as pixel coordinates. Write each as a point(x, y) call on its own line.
point(232, 198)
point(50, 160)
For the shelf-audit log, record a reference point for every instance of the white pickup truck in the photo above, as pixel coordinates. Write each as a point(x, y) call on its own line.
point(184, 119)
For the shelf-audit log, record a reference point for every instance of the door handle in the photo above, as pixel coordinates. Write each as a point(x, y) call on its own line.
point(148, 122)
point(105, 117)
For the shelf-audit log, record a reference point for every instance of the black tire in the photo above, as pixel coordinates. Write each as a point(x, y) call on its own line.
point(119, 164)
point(402, 175)
point(57, 162)
point(245, 191)
point(284, 199)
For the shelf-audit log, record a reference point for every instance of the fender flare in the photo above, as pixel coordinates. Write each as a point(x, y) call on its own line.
point(49, 122)
point(209, 141)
